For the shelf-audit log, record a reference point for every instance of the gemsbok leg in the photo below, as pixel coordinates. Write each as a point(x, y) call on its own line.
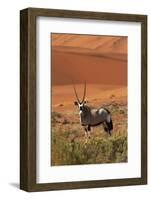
point(87, 132)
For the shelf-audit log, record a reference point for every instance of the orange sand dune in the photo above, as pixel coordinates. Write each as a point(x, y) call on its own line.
point(94, 69)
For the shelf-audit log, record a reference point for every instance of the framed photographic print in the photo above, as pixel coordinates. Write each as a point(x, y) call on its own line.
point(83, 99)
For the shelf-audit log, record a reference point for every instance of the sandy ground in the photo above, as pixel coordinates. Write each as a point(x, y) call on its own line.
point(63, 97)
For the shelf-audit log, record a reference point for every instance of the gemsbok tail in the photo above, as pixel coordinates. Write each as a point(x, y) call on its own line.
point(109, 123)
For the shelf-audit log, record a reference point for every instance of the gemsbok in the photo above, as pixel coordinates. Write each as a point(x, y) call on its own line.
point(91, 117)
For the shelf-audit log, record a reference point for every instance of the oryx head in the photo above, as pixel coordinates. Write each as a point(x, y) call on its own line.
point(81, 104)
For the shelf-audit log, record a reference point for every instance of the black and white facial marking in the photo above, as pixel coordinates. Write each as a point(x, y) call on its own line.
point(80, 105)
point(83, 109)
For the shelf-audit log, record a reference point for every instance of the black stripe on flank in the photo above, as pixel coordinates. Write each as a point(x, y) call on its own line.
point(92, 125)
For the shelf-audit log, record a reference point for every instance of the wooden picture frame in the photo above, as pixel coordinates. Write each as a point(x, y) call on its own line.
point(28, 98)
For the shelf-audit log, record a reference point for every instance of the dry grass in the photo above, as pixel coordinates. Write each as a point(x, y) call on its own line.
point(69, 146)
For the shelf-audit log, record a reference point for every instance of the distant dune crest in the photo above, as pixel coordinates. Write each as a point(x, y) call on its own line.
point(101, 44)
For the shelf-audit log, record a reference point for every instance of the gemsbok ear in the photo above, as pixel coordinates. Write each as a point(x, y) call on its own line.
point(75, 103)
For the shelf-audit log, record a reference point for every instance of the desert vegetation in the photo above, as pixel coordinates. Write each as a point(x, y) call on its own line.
point(69, 145)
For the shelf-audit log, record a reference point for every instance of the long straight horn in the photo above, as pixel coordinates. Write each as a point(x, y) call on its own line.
point(76, 93)
point(84, 92)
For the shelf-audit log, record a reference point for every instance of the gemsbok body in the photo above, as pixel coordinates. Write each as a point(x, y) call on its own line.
point(91, 117)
